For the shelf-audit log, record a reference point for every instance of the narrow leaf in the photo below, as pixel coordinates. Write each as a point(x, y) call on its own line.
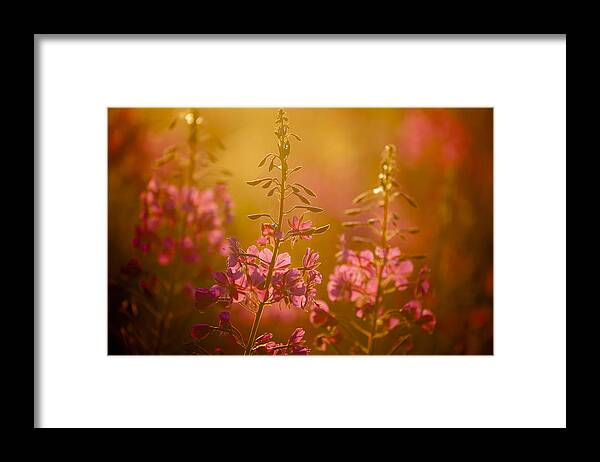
point(256, 216)
point(363, 196)
point(295, 169)
point(257, 182)
point(409, 199)
point(306, 190)
point(353, 224)
point(262, 162)
point(353, 211)
point(310, 208)
point(271, 191)
point(411, 230)
point(321, 229)
point(301, 197)
point(296, 136)
point(167, 157)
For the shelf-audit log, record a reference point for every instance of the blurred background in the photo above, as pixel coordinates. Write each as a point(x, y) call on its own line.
point(445, 162)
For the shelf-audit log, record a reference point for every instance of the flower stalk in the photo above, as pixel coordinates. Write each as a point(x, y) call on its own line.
point(365, 277)
point(261, 306)
point(255, 278)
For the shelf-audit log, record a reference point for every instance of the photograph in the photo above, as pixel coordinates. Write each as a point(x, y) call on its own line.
point(300, 231)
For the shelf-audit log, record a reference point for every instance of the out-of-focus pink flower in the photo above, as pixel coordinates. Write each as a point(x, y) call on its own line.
point(224, 317)
point(392, 322)
point(320, 314)
point(433, 133)
point(423, 284)
point(165, 206)
point(363, 260)
point(148, 285)
point(412, 310)
point(427, 321)
point(200, 331)
point(343, 252)
point(322, 341)
point(364, 310)
point(395, 268)
point(132, 269)
point(205, 298)
point(168, 251)
point(343, 284)
point(480, 317)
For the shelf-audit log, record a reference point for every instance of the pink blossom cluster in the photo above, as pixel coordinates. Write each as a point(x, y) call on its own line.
point(243, 281)
point(356, 278)
point(362, 278)
point(296, 345)
point(181, 220)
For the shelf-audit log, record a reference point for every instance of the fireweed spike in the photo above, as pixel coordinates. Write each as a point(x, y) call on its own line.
point(364, 277)
point(261, 275)
point(184, 210)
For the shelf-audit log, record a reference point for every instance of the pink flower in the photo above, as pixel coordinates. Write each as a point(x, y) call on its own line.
point(391, 323)
point(343, 284)
point(363, 260)
point(310, 259)
point(227, 281)
point(263, 344)
point(297, 336)
point(300, 228)
point(423, 285)
point(296, 343)
point(269, 232)
point(364, 310)
point(412, 310)
point(282, 262)
point(401, 271)
point(427, 321)
point(320, 314)
point(395, 268)
point(224, 317)
point(262, 240)
point(205, 298)
point(233, 252)
point(290, 287)
point(322, 341)
point(343, 253)
point(264, 338)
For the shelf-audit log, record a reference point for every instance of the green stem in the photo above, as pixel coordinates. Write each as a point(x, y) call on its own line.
point(261, 306)
point(378, 296)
